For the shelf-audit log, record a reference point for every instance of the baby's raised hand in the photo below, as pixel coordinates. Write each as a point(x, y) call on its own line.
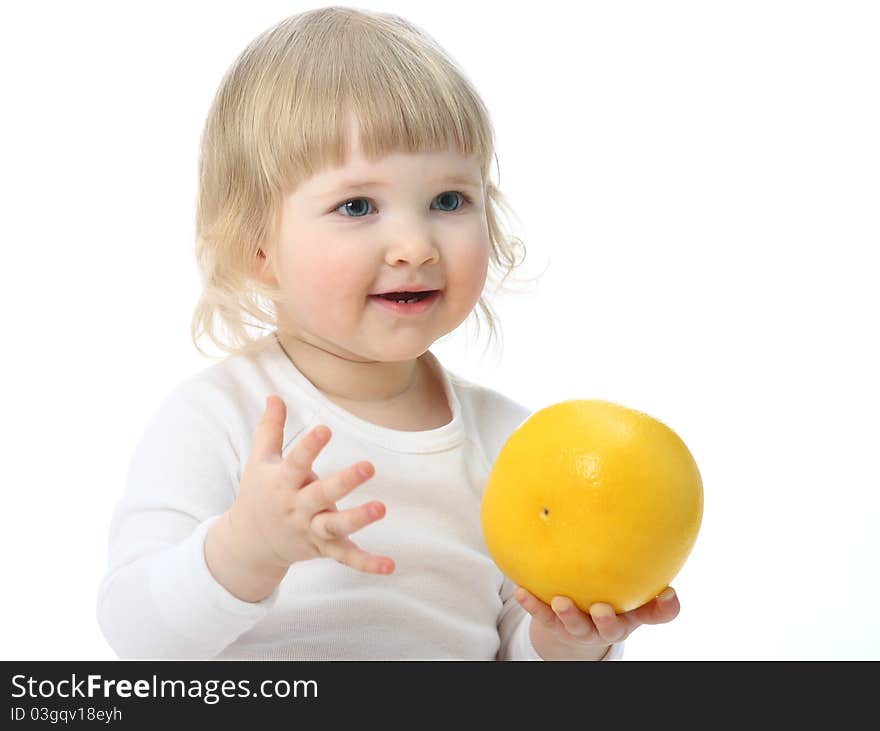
point(285, 513)
point(563, 624)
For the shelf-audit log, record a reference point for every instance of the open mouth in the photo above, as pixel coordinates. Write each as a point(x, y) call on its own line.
point(406, 303)
point(406, 297)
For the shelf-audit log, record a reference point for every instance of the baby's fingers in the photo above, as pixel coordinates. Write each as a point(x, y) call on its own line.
point(661, 609)
point(298, 463)
point(577, 623)
point(270, 430)
point(534, 606)
point(323, 494)
point(331, 524)
point(346, 552)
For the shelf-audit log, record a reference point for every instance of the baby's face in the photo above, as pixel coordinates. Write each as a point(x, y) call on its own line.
point(341, 244)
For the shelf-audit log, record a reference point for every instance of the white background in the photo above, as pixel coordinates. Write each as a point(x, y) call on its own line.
point(697, 181)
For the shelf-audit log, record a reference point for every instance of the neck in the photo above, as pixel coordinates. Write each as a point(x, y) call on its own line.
point(346, 377)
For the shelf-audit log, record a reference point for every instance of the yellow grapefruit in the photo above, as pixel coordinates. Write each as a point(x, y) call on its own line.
point(594, 501)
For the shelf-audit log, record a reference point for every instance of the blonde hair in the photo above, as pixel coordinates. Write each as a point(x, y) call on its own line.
point(280, 115)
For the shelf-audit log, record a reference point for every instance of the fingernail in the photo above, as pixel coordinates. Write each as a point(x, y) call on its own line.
point(560, 604)
point(667, 595)
point(602, 611)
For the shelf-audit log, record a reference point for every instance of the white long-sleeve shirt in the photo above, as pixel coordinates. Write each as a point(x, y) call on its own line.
point(446, 599)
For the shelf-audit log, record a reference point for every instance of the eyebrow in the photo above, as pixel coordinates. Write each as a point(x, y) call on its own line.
point(359, 184)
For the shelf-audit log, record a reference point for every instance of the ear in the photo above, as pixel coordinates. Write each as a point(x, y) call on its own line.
point(263, 270)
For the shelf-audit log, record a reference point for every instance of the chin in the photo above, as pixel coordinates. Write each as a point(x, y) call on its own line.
point(395, 352)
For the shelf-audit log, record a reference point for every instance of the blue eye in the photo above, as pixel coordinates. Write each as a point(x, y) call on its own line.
point(358, 209)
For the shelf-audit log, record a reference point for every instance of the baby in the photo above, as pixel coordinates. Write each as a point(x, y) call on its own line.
point(345, 209)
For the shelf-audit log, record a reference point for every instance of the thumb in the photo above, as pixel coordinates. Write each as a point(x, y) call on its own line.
point(269, 434)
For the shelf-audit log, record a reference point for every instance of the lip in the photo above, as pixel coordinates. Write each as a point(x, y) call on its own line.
point(415, 308)
point(409, 288)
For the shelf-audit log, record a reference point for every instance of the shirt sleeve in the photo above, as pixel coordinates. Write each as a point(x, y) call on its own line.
point(513, 628)
point(158, 599)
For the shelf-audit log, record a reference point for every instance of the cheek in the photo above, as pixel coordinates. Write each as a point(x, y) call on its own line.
point(324, 288)
point(313, 276)
point(471, 266)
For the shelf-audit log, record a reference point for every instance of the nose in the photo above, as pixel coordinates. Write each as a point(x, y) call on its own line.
point(413, 245)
